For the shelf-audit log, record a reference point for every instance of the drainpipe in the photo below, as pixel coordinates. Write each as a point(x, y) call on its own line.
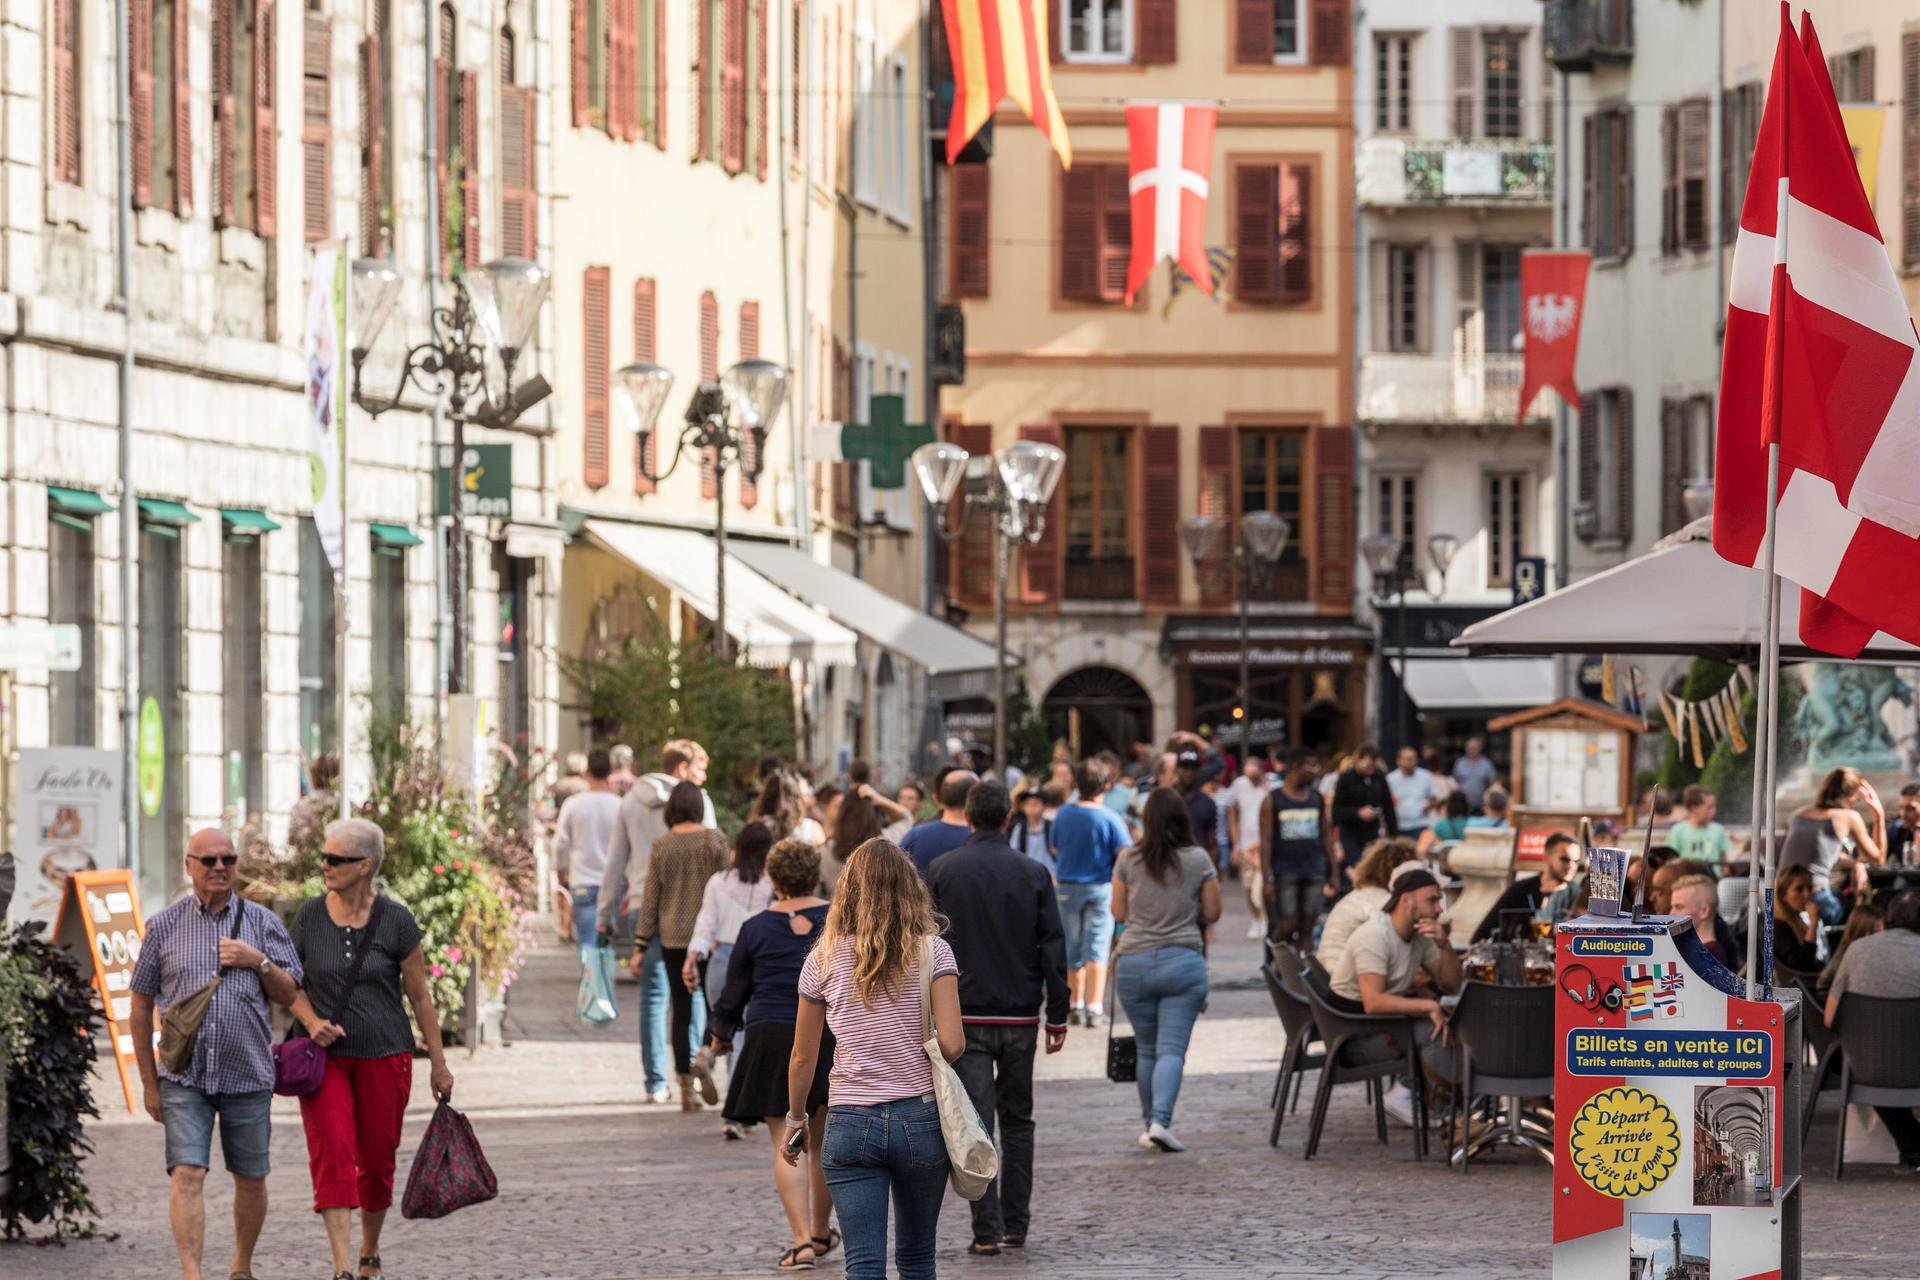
point(1562, 425)
point(442, 604)
point(129, 513)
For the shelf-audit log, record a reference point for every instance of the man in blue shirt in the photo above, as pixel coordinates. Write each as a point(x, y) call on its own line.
point(1087, 837)
point(947, 832)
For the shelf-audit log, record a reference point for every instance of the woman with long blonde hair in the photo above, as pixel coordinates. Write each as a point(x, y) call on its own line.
point(864, 980)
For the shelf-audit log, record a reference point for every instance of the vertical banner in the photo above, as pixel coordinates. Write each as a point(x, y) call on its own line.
point(1553, 291)
point(326, 345)
point(66, 820)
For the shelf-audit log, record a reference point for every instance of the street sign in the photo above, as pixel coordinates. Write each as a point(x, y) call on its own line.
point(1529, 578)
point(40, 646)
point(486, 481)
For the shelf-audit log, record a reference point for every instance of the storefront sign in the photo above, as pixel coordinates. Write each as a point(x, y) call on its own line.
point(67, 821)
point(1275, 656)
point(486, 481)
point(151, 757)
point(99, 918)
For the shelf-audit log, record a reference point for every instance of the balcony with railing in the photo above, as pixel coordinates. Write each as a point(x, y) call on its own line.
point(1439, 390)
point(1483, 172)
point(1100, 578)
point(1583, 33)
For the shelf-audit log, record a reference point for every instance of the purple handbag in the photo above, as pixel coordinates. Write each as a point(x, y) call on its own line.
point(300, 1065)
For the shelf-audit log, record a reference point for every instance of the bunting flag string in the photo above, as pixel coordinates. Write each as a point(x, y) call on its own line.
point(1696, 726)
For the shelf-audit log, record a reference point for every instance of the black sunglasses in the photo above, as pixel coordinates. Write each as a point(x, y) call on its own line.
point(218, 860)
point(339, 860)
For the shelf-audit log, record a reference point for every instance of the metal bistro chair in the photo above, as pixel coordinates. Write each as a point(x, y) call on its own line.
point(1300, 1057)
point(1360, 1048)
point(1825, 1047)
point(1502, 1048)
point(1877, 1063)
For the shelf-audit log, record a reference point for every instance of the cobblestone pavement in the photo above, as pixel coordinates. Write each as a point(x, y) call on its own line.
point(596, 1186)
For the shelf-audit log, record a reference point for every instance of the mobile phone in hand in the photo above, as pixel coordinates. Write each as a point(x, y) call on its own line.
point(796, 1141)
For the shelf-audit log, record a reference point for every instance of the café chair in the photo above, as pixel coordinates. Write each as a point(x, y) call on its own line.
point(1359, 1048)
point(1302, 1055)
point(1503, 1048)
point(1878, 1065)
point(1818, 1038)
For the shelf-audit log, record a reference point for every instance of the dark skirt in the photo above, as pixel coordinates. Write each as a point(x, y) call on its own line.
point(757, 1085)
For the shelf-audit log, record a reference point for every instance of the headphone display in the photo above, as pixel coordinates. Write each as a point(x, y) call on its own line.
point(1584, 989)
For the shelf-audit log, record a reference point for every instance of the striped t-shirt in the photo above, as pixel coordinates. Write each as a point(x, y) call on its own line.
point(877, 1052)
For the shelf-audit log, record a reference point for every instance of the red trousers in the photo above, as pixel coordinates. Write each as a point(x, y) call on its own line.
point(353, 1130)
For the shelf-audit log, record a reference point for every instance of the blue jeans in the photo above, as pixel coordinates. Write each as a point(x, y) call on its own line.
point(586, 903)
point(1163, 991)
point(717, 984)
point(246, 1128)
point(655, 1004)
point(1086, 911)
point(870, 1152)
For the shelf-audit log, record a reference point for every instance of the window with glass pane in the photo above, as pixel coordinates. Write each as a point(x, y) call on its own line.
point(1289, 40)
point(1392, 83)
point(1272, 462)
point(319, 688)
point(1506, 525)
point(243, 699)
point(1403, 297)
point(1098, 30)
point(1500, 99)
point(389, 629)
point(1099, 542)
point(70, 587)
point(1500, 297)
point(1396, 512)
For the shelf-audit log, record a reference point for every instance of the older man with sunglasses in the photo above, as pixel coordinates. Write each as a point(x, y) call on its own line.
point(206, 933)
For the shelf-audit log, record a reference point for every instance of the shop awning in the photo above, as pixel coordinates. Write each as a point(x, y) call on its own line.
point(243, 520)
point(393, 535)
point(165, 511)
point(771, 626)
point(77, 502)
point(960, 665)
point(1478, 684)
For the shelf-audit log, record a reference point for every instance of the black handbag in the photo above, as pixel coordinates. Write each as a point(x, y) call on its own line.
point(1123, 1052)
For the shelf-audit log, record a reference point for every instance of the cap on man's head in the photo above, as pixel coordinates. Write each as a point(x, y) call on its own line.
point(1408, 882)
point(1186, 757)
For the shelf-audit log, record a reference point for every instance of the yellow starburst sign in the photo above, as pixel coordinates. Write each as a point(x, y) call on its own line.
point(1625, 1142)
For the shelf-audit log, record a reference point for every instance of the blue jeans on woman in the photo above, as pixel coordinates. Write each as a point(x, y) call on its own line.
point(1163, 991)
point(869, 1153)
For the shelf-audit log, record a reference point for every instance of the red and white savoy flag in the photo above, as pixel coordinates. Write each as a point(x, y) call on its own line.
point(1169, 154)
point(1553, 292)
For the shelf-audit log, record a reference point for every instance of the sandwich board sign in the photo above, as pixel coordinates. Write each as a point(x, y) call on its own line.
point(100, 920)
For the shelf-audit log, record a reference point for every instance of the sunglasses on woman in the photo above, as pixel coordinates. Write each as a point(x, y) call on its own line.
point(339, 860)
point(218, 860)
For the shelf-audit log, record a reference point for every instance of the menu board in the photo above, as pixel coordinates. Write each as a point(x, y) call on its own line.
point(1572, 770)
point(99, 917)
point(67, 821)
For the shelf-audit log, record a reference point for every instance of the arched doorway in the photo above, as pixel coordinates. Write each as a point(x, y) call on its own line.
point(1098, 709)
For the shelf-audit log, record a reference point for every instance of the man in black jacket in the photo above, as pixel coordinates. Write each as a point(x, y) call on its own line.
point(1004, 927)
point(1362, 806)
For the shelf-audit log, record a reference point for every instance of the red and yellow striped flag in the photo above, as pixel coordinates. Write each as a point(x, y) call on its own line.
point(999, 50)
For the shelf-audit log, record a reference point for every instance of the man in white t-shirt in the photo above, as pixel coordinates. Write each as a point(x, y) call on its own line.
point(1413, 789)
point(1244, 798)
point(581, 837)
point(1399, 962)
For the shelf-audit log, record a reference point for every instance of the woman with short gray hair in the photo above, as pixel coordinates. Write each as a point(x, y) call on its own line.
point(360, 949)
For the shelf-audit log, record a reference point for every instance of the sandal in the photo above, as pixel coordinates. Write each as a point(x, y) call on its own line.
point(792, 1261)
point(344, 1275)
point(371, 1264)
point(984, 1249)
point(826, 1244)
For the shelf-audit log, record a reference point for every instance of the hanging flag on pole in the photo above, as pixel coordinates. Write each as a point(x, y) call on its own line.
point(1553, 291)
point(1169, 155)
point(326, 343)
point(999, 49)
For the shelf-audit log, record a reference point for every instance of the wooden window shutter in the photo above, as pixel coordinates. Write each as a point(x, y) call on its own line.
point(1623, 467)
point(703, 103)
point(1729, 215)
point(660, 74)
point(1159, 540)
point(140, 101)
point(646, 346)
point(1294, 267)
point(1116, 230)
point(1669, 179)
point(372, 163)
point(749, 450)
point(1216, 492)
point(1079, 246)
point(1623, 178)
point(1041, 565)
point(1588, 490)
point(970, 564)
point(66, 90)
point(733, 85)
point(1864, 57)
point(470, 168)
point(1910, 148)
point(519, 204)
point(1256, 198)
point(1694, 157)
point(1590, 138)
point(1333, 546)
point(582, 65)
point(225, 109)
point(266, 218)
point(763, 137)
point(1330, 33)
point(1383, 291)
point(969, 262)
point(1463, 80)
point(709, 372)
point(182, 110)
point(1056, 46)
point(1253, 32)
point(1157, 32)
point(1673, 462)
point(622, 48)
point(316, 134)
point(1546, 94)
point(596, 300)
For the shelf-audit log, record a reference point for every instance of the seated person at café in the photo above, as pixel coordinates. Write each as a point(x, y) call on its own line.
point(1493, 810)
point(1695, 897)
point(1395, 953)
point(1887, 964)
point(1865, 921)
point(1530, 893)
point(1796, 927)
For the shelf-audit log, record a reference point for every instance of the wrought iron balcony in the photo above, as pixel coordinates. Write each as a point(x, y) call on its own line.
point(1581, 33)
point(1506, 172)
point(1440, 390)
point(1102, 578)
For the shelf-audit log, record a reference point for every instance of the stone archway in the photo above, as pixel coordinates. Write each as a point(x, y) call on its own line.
point(1097, 708)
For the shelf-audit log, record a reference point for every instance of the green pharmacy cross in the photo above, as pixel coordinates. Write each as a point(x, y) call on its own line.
point(885, 442)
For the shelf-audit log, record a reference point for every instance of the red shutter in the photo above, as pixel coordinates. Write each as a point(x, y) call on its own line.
point(1253, 32)
point(971, 220)
point(623, 70)
point(224, 107)
point(709, 372)
point(749, 452)
point(444, 84)
point(1116, 231)
point(1333, 516)
point(1056, 47)
point(1040, 562)
point(182, 111)
point(595, 302)
point(1329, 33)
point(140, 37)
point(1156, 41)
point(519, 200)
point(266, 218)
point(645, 351)
point(372, 163)
point(733, 85)
point(1294, 274)
point(1159, 541)
point(660, 75)
point(1256, 237)
point(970, 569)
point(66, 90)
point(1080, 233)
point(582, 66)
point(703, 83)
point(316, 137)
point(761, 146)
point(470, 167)
point(1216, 500)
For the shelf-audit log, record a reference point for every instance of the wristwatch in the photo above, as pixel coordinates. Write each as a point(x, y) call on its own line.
point(266, 965)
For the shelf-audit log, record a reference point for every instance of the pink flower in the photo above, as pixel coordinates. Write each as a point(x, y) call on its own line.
point(454, 954)
point(459, 865)
point(437, 971)
point(439, 870)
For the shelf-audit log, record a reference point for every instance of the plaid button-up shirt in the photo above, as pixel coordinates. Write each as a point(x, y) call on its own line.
point(181, 954)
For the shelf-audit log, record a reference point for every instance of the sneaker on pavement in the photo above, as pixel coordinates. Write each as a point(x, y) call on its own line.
point(1257, 929)
point(660, 1095)
point(1399, 1104)
point(1162, 1137)
point(1146, 1142)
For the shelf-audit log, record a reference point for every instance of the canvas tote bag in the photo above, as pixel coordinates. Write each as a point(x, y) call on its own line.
point(973, 1162)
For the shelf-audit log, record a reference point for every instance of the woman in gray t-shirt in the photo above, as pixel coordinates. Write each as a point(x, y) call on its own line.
point(1165, 890)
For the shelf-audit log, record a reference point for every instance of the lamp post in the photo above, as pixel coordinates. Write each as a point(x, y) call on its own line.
point(493, 314)
point(722, 416)
point(1390, 562)
point(1262, 541)
point(1014, 486)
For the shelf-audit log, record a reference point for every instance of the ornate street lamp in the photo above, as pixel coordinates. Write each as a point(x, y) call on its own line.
point(1393, 572)
point(1013, 486)
point(1263, 540)
point(493, 314)
point(721, 416)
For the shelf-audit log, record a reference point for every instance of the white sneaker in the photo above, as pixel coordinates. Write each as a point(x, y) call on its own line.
point(1399, 1104)
point(1162, 1137)
point(1257, 929)
point(660, 1095)
point(1146, 1142)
